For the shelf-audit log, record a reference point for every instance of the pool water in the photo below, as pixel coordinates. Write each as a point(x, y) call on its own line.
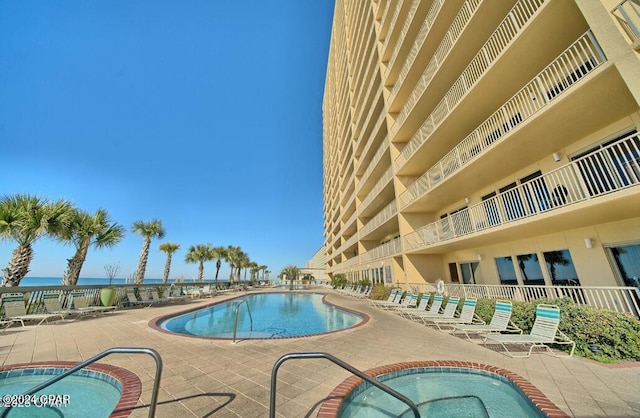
point(274, 315)
point(450, 392)
point(86, 393)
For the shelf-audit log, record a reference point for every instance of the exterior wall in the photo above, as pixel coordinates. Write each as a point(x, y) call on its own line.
point(456, 133)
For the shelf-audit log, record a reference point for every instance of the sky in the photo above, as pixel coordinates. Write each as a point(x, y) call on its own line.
point(206, 115)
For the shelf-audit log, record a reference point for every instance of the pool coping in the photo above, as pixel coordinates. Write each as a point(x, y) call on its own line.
point(330, 407)
point(155, 322)
point(131, 384)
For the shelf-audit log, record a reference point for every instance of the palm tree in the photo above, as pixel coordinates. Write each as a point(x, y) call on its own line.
point(148, 230)
point(25, 219)
point(199, 254)
point(84, 231)
point(254, 268)
point(232, 255)
point(169, 248)
point(263, 268)
point(290, 272)
point(218, 253)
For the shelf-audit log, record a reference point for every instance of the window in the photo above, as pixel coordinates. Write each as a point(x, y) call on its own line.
point(626, 259)
point(387, 274)
point(469, 272)
point(506, 270)
point(560, 268)
point(530, 269)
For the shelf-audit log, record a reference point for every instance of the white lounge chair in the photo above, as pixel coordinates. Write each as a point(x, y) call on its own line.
point(543, 333)
point(410, 300)
point(448, 312)
point(467, 316)
point(53, 305)
point(85, 303)
point(500, 322)
point(393, 298)
point(413, 305)
point(15, 309)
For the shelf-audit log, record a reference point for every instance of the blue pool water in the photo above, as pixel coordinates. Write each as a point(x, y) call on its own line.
point(86, 393)
point(275, 315)
point(449, 392)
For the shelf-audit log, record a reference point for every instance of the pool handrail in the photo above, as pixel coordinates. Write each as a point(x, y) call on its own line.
point(114, 350)
point(371, 380)
point(235, 323)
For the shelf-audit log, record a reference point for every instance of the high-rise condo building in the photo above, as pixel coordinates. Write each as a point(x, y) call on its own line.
point(489, 142)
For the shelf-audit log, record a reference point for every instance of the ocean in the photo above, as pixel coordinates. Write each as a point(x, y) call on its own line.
point(87, 281)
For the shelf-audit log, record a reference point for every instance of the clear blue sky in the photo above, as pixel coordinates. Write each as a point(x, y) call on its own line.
point(204, 114)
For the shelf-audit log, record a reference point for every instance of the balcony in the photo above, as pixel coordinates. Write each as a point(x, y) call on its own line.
point(464, 15)
point(376, 190)
point(575, 63)
point(386, 214)
point(388, 249)
point(627, 14)
point(612, 169)
point(508, 30)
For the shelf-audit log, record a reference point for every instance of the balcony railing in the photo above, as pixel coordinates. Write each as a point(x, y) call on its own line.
point(627, 13)
point(392, 24)
point(459, 22)
point(403, 33)
point(381, 217)
point(374, 161)
point(512, 24)
point(380, 184)
point(388, 249)
point(612, 168)
point(580, 59)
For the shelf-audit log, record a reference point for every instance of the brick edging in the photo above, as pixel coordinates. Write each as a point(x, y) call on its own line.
point(131, 384)
point(330, 407)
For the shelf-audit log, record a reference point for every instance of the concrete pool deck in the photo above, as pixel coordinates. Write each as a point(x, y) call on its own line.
point(216, 378)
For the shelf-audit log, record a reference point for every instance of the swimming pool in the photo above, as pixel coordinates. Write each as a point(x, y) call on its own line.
point(269, 315)
point(99, 390)
point(442, 389)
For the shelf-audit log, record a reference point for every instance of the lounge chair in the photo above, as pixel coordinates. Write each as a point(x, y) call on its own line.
point(543, 333)
point(410, 300)
point(422, 306)
point(15, 309)
point(85, 303)
point(448, 312)
point(157, 299)
point(132, 300)
point(53, 305)
point(412, 304)
point(433, 309)
point(467, 316)
point(500, 321)
point(395, 293)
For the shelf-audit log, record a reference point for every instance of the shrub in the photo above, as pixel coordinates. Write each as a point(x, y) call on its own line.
point(338, 281)
point(364, 282)
point(617, 335)
point(380, 292)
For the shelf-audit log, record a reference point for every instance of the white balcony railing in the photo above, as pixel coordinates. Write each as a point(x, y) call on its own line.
point(381, 217)
point(388, 249)
point(374, 161)
point(459, 22)
point(627, 13)
point(612, 168)
point(508, 29)
point(403, 33)
point(377, 188)
point(580, 59)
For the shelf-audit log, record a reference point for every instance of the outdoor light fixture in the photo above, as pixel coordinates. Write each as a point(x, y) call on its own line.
point(556, 157)
point(588, 242)
point(479, 257)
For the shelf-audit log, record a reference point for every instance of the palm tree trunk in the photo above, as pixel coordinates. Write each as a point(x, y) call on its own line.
point(201, 271)
point(167, 268)
point(142, 263)
point(18, 266)
point(74, 266)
